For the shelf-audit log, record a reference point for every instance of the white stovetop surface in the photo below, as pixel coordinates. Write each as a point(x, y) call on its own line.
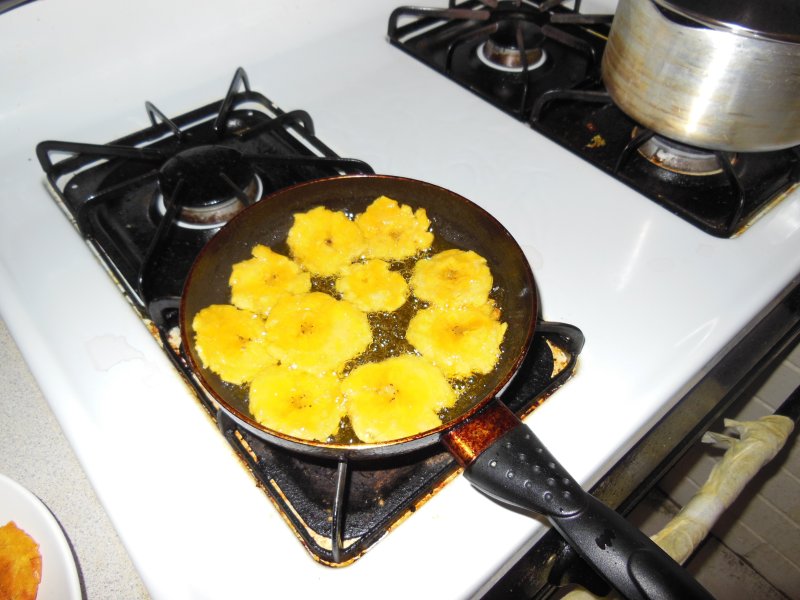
point(657, 299)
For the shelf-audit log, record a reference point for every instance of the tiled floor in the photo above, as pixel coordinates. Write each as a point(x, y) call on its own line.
point(754, 550)
point(721, 571)
point(760, 531)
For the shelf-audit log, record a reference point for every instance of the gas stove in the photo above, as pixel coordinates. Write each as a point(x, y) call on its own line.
point(540, 62)
point(662, 303)
point(147, 204)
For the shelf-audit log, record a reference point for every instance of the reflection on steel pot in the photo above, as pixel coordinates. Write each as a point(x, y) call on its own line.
point(713, 74)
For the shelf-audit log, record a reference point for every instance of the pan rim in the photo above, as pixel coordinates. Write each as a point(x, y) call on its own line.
point(356, 450)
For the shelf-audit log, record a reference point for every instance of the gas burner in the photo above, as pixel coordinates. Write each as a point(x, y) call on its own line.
point(515, 46)
point(148, 202)
point(541, 63)
point(507, 52)
point(209, 183)
point(679, 158)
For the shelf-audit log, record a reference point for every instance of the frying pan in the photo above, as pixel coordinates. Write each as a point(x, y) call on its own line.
point(502, 456)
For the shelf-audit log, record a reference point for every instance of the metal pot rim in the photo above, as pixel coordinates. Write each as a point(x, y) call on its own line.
point(773, 20)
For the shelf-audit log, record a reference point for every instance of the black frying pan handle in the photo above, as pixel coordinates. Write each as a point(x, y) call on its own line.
point(518, 469)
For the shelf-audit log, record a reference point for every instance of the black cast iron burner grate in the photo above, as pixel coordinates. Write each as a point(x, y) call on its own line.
point(129, 200)
point(339, 510)
point(723, 203)
point(452, 41)
point(562, 96)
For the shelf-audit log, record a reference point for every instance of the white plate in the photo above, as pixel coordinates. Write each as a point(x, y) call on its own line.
point(59, 574)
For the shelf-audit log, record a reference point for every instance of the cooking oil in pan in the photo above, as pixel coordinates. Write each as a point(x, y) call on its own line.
point(389, 340)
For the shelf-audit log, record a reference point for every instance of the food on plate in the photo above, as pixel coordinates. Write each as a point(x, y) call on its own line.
point(460, 341)
point(20, 564)
point(394, 231)
point(231, 342)
point(323, 241)
point(297, 403)
point(452, 278)
point(259, 282)
point(372, 286)
point(315, 332)
point(396, 398)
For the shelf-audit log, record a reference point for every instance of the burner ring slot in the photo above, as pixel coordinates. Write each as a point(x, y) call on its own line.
point(509, 61)
point(514, 38)
point(210, 183)
point(679, 158)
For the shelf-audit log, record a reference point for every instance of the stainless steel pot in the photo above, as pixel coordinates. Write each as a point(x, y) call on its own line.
point(715, 74)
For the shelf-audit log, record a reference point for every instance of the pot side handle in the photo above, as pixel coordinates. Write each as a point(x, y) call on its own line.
point(517, 469)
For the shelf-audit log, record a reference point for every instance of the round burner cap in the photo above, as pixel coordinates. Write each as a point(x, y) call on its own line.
point(210, 175)
point(209, 184)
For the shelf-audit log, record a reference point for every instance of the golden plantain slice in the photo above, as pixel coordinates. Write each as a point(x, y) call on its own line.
point(324, 241)
point(394, 231)
point(297, 403)
point(460, 341)
point(395, 398)
point(372, 287)
point(20, 564)
point(316, 333)
point(452, 278)
point(231, 342)
point(258, 283)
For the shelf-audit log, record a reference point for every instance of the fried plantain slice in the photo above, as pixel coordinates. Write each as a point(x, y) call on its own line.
point(231, 342)
point(452, 278)
point(259, 282)
point(395, 398)
point(316, 333)
point(324, 241)
point(372, 287)
point(20, 564)
point(394, 231)
point(297, 403)
point(460, 341)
